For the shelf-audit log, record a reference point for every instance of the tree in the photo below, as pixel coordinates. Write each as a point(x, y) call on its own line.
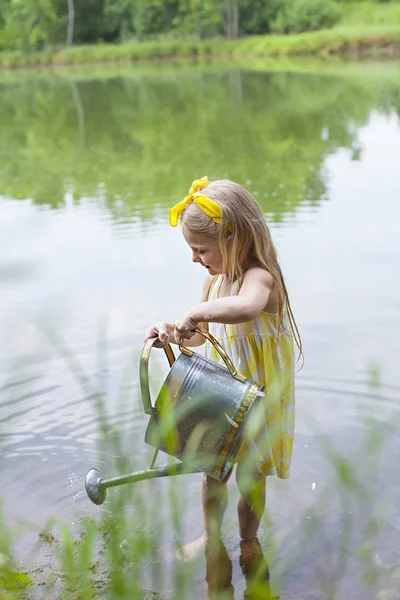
point(256, 15)
point(27, 23)
point(202, 17)
point(119, 16)
point(71, 22)
point(232, 19)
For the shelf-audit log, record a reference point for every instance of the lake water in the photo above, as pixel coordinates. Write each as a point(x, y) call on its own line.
point(90, 162)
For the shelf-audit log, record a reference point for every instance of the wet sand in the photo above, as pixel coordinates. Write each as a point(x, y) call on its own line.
point(44, 570)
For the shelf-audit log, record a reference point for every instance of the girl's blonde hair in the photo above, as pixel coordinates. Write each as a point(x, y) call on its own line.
point(244, 239)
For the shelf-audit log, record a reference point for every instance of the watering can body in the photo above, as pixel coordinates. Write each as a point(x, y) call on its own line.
point(201, 411)
point(199, 417)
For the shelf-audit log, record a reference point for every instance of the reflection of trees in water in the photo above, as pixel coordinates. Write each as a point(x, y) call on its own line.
point(139, 141)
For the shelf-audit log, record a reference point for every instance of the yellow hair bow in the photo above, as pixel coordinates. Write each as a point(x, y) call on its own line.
point(208, 206)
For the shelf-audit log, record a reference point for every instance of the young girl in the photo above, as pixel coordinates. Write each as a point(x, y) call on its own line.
point(246, 308)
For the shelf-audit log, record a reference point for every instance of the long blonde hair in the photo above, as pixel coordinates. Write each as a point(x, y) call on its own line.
point(244, 239)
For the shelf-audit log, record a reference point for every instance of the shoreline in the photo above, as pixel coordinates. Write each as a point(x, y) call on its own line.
point(47, 576)
point(368, 42)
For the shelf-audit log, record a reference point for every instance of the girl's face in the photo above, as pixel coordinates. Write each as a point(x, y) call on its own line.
point(205, 251)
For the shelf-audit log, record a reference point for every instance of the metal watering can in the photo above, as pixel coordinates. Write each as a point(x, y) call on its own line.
point(199, 417)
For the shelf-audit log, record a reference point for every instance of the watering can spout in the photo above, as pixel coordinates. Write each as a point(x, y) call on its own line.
point(96, 487)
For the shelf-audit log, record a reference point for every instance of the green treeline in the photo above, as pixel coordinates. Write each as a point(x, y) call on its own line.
point(38, 24)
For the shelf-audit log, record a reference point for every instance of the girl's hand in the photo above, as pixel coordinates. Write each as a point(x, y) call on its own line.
point(162, 331)
point(184, 328)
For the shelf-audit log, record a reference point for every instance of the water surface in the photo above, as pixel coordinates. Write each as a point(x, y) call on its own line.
point(89, 165)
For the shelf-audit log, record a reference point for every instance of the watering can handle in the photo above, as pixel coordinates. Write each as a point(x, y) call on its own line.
point(144, 371)
point(144, 364)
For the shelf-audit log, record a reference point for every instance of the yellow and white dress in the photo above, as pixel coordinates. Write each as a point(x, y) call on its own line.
point(263, 355)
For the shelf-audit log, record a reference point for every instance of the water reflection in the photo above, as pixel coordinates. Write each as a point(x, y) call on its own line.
point(254, 568)
point(132, 143)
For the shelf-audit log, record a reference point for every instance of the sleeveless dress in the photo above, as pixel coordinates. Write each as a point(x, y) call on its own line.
point(263, 355)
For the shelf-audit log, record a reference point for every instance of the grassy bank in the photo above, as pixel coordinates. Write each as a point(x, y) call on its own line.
point(345, 39)
point(370, 13)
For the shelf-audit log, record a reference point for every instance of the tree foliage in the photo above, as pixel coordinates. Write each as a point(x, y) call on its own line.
point(34, 24)
point(26, 23)
point(295, 16)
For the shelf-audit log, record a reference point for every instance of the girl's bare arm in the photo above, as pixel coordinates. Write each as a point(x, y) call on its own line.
point(246, 306)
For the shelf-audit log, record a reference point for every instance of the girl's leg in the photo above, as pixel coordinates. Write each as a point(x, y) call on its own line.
point(251, 507)
point(219, 573)
point(214, 497)
point(214, 500)
point(251, 504)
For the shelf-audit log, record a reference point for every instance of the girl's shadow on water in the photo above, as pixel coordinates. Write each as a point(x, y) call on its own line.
point(254, 568)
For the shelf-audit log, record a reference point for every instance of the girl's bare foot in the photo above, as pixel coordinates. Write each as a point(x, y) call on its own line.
point(192, 550)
